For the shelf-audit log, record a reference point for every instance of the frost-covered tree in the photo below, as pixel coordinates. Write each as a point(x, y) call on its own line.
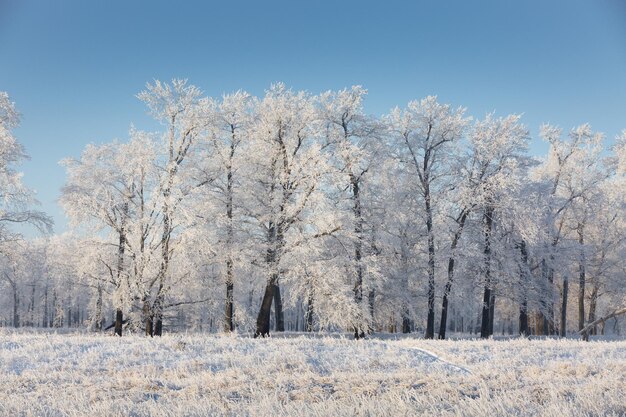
point(336, 219)
point(16, 200)
point(105, 193)
point(182, 111)
point(288, 166)
point(427, 133)
point(353, 145)
point(570, 172)
point(219, 163)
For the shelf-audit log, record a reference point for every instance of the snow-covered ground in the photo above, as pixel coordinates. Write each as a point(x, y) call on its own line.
point(95, 375)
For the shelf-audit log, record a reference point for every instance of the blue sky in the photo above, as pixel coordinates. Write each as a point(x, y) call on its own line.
point(73, 67)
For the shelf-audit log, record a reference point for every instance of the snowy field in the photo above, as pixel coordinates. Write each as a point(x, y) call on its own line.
point(79, 375)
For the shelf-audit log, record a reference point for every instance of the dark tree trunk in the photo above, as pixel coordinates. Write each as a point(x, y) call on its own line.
point(31, 307)
point(563, 331)
point(547, 301)
point(149, 326)
point(263, 319)
point(16, 307)
point(523, 310)
point(229, 323)
point(430, 318)
point(492, 309)
point(120, 268)
point(593, 303)
point(54, 309)
point(69, 315)
point(309, 314)
point(44, 320)
point(539, 322)
point(358, 248)
point(542, 326)
point(157, 312)
point(406, 318)
point(372, 299)
point(77, 312)
point(484, 323)
point(523, 318)
point(119, 318)
point(98, 314)
point(147, 317)
point(581, 279)
point(279, 315)
point(406, 322)
point(551, 330)
point(446, 292)
point(229, 309)
point(487, 296)
point(158, 326)
point(444, 304)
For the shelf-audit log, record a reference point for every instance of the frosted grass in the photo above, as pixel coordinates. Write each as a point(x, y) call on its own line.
point(193, 375)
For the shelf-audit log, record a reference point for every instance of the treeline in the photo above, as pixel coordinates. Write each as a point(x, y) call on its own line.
point(296, 211)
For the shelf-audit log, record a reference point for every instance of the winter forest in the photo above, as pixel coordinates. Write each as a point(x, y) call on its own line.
point(300, 212)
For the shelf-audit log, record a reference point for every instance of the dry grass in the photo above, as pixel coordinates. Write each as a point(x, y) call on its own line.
point(77, 375)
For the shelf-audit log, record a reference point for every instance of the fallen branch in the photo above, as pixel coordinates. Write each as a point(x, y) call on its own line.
point(585, 331)
point(113, 325)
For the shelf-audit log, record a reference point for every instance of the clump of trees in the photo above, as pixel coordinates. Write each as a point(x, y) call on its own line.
point(297, 211)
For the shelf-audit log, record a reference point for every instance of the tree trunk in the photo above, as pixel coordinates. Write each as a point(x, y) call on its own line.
point(484, 323)
point(263, 319)
point(581, 279)
point(69, 314)
point(53, 317)
point(592, 309)
point(149, 326)
point(229, 325)
point(229, 319)
point(371, 299)
point(44, 320)
point(406, 325)
point(157, 306)
point(523, 311)
point(98, 313)
point(523, 318)
point(563, 331)
point(550, 318)
point(158, 326)
point(404, 259)
point(157, 312)
point(547, 302)
point(487, 296)
point(31, 307)
point(444, 304)
point(430, 318)
point(119, 317)
point(358, 246)
point(77, 314)
point(279, 315)
point(309, 314)
point(539, 323)
point(120, 270)
point(16, 306)
point(446, 292)
point(492, 309)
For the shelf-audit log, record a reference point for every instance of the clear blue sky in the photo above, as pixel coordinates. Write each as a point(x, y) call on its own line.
point(74, 67)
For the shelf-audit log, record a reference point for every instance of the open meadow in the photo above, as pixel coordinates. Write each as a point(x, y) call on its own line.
point(80, 374)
